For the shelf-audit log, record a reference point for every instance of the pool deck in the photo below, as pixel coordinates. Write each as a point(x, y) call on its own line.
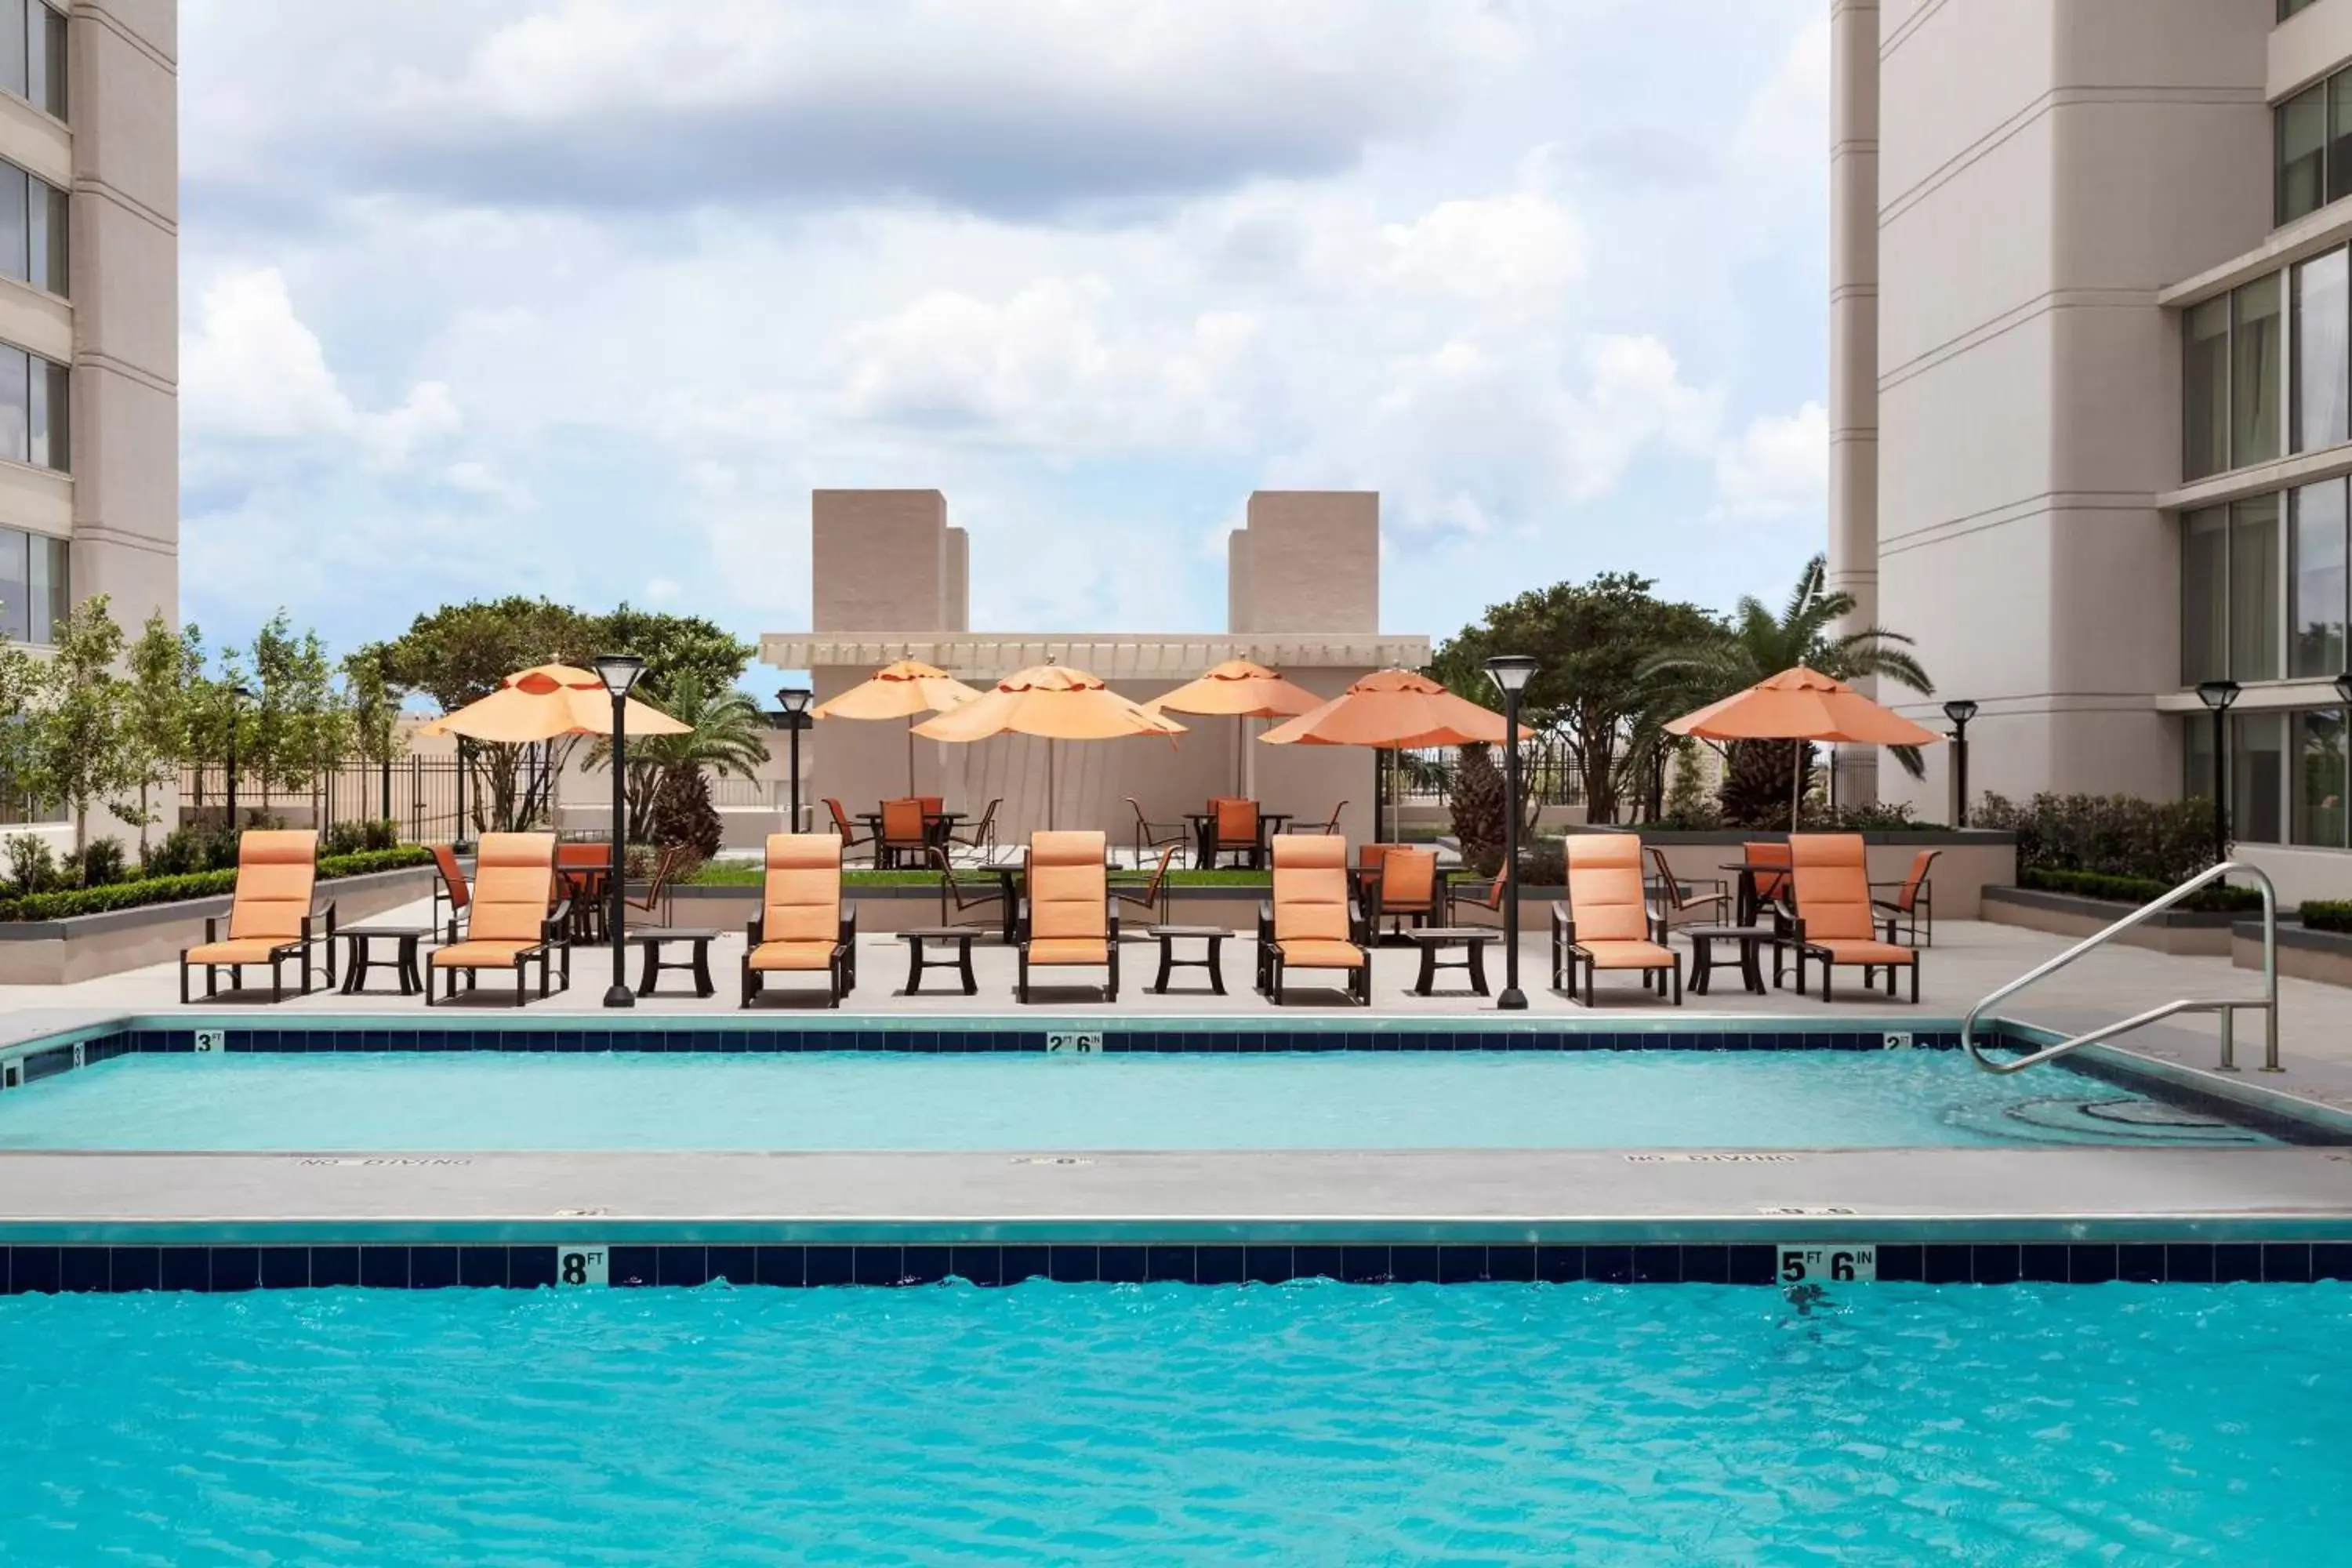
point(2002, 1194)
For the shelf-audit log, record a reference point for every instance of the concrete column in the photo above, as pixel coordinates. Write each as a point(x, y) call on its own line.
point(1853, 339)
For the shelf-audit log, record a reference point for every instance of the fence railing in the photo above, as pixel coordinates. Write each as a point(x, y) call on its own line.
point(1548, 771)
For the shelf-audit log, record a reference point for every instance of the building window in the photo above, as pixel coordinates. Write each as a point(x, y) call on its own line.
point(2204, 595)
point(35, 585)
point(2316, 581)
point(2205, 383)
point(2256, 577)
point(2323, 349)
point(36, 400)
point(2257, 383)
point(33, 54)
point(2257, 777)
point(2301, 130)
point(2316, 808)
point(2289, 7)
point(32, 230)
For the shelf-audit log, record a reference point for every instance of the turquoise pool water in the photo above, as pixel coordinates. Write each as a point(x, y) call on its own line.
point(855, 1099)
point(1169, 1424)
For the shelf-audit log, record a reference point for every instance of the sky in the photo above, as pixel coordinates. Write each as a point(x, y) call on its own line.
point(582, 298)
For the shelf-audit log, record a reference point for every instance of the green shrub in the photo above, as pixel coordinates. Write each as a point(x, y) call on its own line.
point(2165, 841)
point(100, 864)
point(353, 837)
point(32, 866)
point(146, 890)
point(2217, 898)
point(2327, 914)
point(189, 849)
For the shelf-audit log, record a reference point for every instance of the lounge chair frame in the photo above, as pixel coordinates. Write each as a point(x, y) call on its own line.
point(317, 929)
point(1273, 969)
point(554, 939)
point(1828, 958)
point(1026, 933)
point(841, 971)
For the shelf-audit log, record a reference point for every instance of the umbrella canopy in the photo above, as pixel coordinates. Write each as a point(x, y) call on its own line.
point(1801, 704)
point(545, 701)
point(1244, 690)
point(1054, 703)
point(1394, 710)
point(899, 691)
point(1240, 690)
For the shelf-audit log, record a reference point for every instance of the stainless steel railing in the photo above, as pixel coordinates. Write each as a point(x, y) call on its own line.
point(2227, 1006)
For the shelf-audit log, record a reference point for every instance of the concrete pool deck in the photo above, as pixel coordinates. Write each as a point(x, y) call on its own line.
point(2021, 1195)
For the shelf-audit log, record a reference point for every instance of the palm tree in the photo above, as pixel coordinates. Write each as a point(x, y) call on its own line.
point(1755, 644)
point(725, 732)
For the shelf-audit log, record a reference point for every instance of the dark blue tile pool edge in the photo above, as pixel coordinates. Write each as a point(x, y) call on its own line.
point(123, 1269)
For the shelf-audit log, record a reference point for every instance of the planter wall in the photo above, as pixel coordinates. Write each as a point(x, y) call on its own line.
point(2321, 955)
point(2182, 932)
point(84, 947)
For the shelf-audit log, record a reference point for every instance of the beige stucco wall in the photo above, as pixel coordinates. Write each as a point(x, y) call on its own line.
point(2047, 167)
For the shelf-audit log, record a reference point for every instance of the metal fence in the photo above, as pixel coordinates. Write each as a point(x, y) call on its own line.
point(1548, 770)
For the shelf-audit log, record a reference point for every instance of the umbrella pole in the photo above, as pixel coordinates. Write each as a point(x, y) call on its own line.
point(1049, 785)
point(1796, 782)
point(910, 756)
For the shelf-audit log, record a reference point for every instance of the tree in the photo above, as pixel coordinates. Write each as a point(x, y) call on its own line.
point(372, 703)
point(1590, 642)
point(1758, 644)
point(298, 719)
point(725, 733)
point(674, 649)
point(81, 746)
point(167, 668)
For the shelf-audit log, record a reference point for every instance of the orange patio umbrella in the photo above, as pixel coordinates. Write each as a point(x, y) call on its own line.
point(1801, 704)
point(1242, 689)
point(544, 702)
point(1394, 710)
point(1053, 702)
point(901, 690)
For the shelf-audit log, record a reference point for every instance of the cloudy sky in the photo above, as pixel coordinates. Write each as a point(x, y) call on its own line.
point(583, 296)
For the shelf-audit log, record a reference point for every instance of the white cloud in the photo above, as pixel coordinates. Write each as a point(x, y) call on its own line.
point(1777, 468)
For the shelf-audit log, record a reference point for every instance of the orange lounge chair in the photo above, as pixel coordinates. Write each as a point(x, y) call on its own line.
point(1407, 889)
point(1068, 921)
point(1833, 920)
point(1607, 923)
point(1310, 922)
point(271, 916)
point(516, 917)
point(802, 926)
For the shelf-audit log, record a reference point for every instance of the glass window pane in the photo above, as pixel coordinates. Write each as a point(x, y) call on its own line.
point(13, 251)
point(57, 409)
point(2258, 778)
point(16, 585)
point(2256, 385)
point(2289, 7)
point(2322, 364)
point(41, 594)
point(16, 412)
point(2339, 135)
point(11, 46)
point(2302, 134)
point(2204, 584)
point(2205, 388)
point(2197, 757)
point(2255, 587)
point(2318, 801)
point(45, 59)
point(2316, 646)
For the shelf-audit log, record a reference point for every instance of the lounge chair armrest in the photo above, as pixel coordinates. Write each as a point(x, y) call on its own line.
point(1113, 914)
point(1265, 921)
point(848, 923)
point(551, 928)
point(754, 929)
point(212, 928)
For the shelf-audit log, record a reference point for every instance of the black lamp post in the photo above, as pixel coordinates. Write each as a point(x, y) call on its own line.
point(619, 672)
point(2217, 696)
point(794, 701)
point(238, 696)
point(1959, 713)
point(1510, 672)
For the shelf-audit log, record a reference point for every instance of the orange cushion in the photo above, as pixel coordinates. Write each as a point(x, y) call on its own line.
point(234, 952)
point(1078, 950)
point(1626, 955)
point(1315, 953)
point(771, 956)
point(1847, 951)
point(801, 902)
point(480, 955)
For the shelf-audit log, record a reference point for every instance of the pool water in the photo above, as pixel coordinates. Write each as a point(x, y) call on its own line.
point(1173, 1425)
point(879, 1100)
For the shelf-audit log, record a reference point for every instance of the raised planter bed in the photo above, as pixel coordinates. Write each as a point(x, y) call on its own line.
point(84, 947)
point(2307, 955)
point(2182, 932)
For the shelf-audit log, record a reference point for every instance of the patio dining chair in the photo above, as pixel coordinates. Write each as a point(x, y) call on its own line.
point(845, 830)
point(1914, 898)
point(1151, 896)
point(957, 899)
point(1327, 829)
point(1151, 835)
point(981, 839)
point(906, 835)
point(1235, 831)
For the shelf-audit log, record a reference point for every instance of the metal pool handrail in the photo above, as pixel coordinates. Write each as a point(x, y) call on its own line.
point(2227, 1006)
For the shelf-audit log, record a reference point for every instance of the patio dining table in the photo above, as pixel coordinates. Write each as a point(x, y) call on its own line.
point(1746, 901)
point(1205, 833)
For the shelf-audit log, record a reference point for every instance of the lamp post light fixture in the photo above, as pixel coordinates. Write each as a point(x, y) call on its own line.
point(1510, 672)
point(1959, 713)
point(238, 696)
point(792, 701)
point(619, 672)
point(2217, 696)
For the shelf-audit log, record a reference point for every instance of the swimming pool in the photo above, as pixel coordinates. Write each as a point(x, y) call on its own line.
point(1050, 1423)
point(1028, 1100)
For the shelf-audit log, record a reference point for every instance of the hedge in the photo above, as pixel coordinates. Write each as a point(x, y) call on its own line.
point(147, 890)
point(2327, 914)
point(2218, 898)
